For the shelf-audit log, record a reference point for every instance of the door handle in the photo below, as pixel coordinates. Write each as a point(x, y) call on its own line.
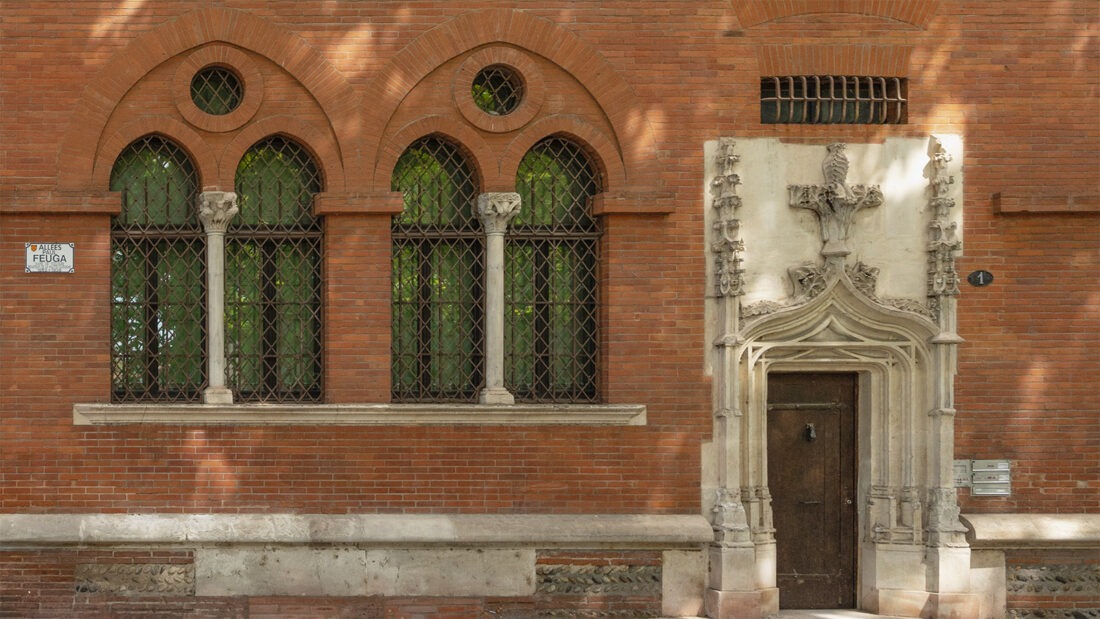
point(847, 501)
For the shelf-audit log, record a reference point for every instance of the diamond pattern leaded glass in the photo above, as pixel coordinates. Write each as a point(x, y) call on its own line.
point(438, 267)
point(497, 90)
point(216, 90)
point(551, 337)
point(158, 277)
point(273, 277)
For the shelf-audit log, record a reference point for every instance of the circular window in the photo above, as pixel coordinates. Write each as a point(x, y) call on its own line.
point(216, 90)
point(497, 90)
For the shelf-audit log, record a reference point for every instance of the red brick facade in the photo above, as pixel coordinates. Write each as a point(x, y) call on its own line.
point(642, 85)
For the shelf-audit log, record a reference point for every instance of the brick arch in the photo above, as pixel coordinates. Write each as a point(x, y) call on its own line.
point(841, 59)
point(633, 135)
point(481, 157)
point(313, 138)
point(917, 13)
point(333, 93)
point(206, 164)
point(596, 142)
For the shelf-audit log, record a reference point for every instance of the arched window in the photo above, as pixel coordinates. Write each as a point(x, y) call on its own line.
point(273, 277)
point(551, 337)
point(158, 278)
point(438, 265)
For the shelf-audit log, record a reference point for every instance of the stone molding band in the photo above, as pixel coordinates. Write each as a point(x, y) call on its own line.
point(361, 414)
point(567, 530)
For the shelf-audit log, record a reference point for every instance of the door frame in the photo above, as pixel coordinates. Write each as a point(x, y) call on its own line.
point(909, 530)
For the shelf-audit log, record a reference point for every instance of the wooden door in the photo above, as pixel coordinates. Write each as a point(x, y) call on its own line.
point(812, 477)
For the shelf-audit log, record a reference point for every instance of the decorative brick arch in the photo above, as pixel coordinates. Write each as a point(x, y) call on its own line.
point(183, 136)
point(595, 141)
point(632, 134)
point(337, 100)
point(480, 155)
point(314, 139)
point(917, 13)
point(840, 59)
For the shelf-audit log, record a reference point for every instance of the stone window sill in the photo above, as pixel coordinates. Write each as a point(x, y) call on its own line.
point(361, 414)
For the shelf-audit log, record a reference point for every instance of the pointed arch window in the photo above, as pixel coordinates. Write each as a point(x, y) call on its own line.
point(438, 271)
point(551, 322)
point(158, 281)
point(273, 277)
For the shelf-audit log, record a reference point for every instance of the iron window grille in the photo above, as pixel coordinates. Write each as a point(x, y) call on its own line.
point(438, 271)
point(497, 89)
point(833, 99)
point(158, 277)
point(273, 277)
point(216, 90)
point(551, 322)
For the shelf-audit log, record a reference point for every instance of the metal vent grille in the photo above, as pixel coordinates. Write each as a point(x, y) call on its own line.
point(833, 99)
point(551, 333)
point(438, 272)
point(216, 90)
point(158, 277)
point(497, 90)
point(273, 277)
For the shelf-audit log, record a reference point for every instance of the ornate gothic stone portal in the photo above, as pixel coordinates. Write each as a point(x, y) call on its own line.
point(865, 285)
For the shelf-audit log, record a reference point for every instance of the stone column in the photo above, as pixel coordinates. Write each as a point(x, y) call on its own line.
point(495, 211)
point(215, 210)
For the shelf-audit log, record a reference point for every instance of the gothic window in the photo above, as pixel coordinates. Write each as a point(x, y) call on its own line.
point(438, 272)
point(158, 278)
point(273, 277)
point(551, 337)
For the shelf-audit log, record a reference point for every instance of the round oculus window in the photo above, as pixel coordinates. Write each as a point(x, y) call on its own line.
point(497, 90)
point(216, 90)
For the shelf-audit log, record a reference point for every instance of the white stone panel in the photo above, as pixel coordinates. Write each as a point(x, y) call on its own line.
point(891, 237)
point(683, 580)
point(280, 571)
point(466, 572)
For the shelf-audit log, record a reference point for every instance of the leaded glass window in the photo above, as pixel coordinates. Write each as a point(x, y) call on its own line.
point(273, 277)
point(158, 276)
point(551, 337)
point(497, 90)
point(438, 271)
point(216, 90)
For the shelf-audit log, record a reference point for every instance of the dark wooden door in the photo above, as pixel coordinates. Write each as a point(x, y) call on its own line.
point(812, 478)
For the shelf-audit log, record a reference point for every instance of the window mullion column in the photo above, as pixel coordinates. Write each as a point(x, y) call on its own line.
point(495, 211)
point(215, 210)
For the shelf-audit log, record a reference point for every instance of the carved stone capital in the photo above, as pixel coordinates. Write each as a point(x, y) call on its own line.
point(216, 209)
point(496, 210)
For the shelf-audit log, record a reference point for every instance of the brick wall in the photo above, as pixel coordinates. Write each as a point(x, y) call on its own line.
point(647, 84)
